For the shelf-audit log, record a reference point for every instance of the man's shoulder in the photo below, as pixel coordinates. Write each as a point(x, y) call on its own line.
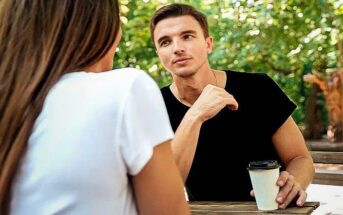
point(166, 92)
point(248, 84)
point(248, 75)
point(250, 79)
point(165, 89)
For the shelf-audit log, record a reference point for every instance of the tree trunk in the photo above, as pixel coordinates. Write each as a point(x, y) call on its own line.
point(332, 88)
point(313, 122)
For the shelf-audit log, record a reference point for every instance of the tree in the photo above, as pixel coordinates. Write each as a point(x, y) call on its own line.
point(286, 39)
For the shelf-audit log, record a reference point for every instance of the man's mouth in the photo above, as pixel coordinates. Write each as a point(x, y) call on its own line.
point(181, 60)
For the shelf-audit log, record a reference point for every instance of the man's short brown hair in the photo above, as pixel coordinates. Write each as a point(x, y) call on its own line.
point(176, 10)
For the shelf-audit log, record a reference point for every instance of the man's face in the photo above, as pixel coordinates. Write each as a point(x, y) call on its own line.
point(181, 45)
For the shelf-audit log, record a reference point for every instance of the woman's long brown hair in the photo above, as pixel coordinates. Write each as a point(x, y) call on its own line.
point(40, 40)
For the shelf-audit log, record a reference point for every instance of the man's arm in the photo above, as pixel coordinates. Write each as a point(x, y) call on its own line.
point(185, 142)
point(290, 146)
point(209, 103)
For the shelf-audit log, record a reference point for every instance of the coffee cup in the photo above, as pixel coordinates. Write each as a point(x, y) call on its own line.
point(263, 176)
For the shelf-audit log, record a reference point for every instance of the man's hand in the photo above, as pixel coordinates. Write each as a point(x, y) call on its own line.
point(289, 189)
point(211, 100)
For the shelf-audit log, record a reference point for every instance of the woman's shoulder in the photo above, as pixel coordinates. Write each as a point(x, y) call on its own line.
point(130, 75)
point(110, 83)
point(123, 78)
point(124, 73)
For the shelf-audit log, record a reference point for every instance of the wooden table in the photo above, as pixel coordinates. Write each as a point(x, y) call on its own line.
point(242, 208)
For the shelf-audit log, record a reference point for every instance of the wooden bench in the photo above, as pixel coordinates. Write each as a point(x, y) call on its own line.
point(324, 146)
point(327, 154)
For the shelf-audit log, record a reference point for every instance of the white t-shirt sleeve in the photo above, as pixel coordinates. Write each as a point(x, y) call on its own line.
point(145, 123)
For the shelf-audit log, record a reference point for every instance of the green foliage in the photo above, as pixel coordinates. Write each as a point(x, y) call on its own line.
point(285, 39)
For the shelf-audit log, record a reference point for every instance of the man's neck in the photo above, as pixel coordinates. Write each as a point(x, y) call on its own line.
point(188, 89)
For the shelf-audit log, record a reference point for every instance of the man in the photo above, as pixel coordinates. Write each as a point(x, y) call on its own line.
point(224, 119)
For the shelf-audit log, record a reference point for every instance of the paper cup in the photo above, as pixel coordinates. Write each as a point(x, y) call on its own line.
point(263, 176)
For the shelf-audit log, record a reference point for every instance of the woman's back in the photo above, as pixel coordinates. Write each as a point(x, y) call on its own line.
point(92, 142)
point(89, 136)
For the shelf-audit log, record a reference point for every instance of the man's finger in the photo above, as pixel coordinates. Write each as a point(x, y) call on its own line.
point(282, 178)
point(302, 198)
point(252, 193)
point(232, 104)
point(284, 191)
point(291, 195)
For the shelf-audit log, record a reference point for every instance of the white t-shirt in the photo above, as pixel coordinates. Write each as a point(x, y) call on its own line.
point(93, 131)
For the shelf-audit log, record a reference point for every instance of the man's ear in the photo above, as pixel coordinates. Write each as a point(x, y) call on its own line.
point(209, 44)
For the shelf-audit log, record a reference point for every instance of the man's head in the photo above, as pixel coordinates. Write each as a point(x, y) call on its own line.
point(175, 10)
point(180, 35)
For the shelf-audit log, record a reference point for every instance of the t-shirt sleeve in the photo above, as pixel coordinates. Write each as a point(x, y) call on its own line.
point(276, 105)
point(145, 123)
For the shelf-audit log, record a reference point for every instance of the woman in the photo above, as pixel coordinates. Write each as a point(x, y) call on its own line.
point(77, 138)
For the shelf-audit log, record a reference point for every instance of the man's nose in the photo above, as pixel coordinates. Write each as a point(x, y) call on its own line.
point(178, 47)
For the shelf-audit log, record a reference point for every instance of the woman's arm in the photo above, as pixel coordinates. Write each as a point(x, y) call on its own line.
point(158, 187)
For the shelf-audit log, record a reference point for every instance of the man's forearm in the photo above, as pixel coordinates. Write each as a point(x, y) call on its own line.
point(302, 169)
point(185, 142)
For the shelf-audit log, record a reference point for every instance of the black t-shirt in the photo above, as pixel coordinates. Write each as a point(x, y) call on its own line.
point(231, 139)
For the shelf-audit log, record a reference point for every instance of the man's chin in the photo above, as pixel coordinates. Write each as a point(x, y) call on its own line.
point(186, 73)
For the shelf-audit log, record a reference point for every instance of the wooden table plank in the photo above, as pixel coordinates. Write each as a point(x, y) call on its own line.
point(324, 146)
point(327, 157)
point(328, 178)
point(218, 208)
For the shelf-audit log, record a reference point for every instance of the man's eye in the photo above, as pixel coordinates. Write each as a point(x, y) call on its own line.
point(188, 36)
point(164, 43)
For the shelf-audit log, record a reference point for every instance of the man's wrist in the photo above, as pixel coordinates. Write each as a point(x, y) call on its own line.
point(194, 116)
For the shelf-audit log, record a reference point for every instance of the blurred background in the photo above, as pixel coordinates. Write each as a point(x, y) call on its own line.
point(286, 39)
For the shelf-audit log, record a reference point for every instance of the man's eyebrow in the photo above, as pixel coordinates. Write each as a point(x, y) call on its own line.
point(188, 32)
